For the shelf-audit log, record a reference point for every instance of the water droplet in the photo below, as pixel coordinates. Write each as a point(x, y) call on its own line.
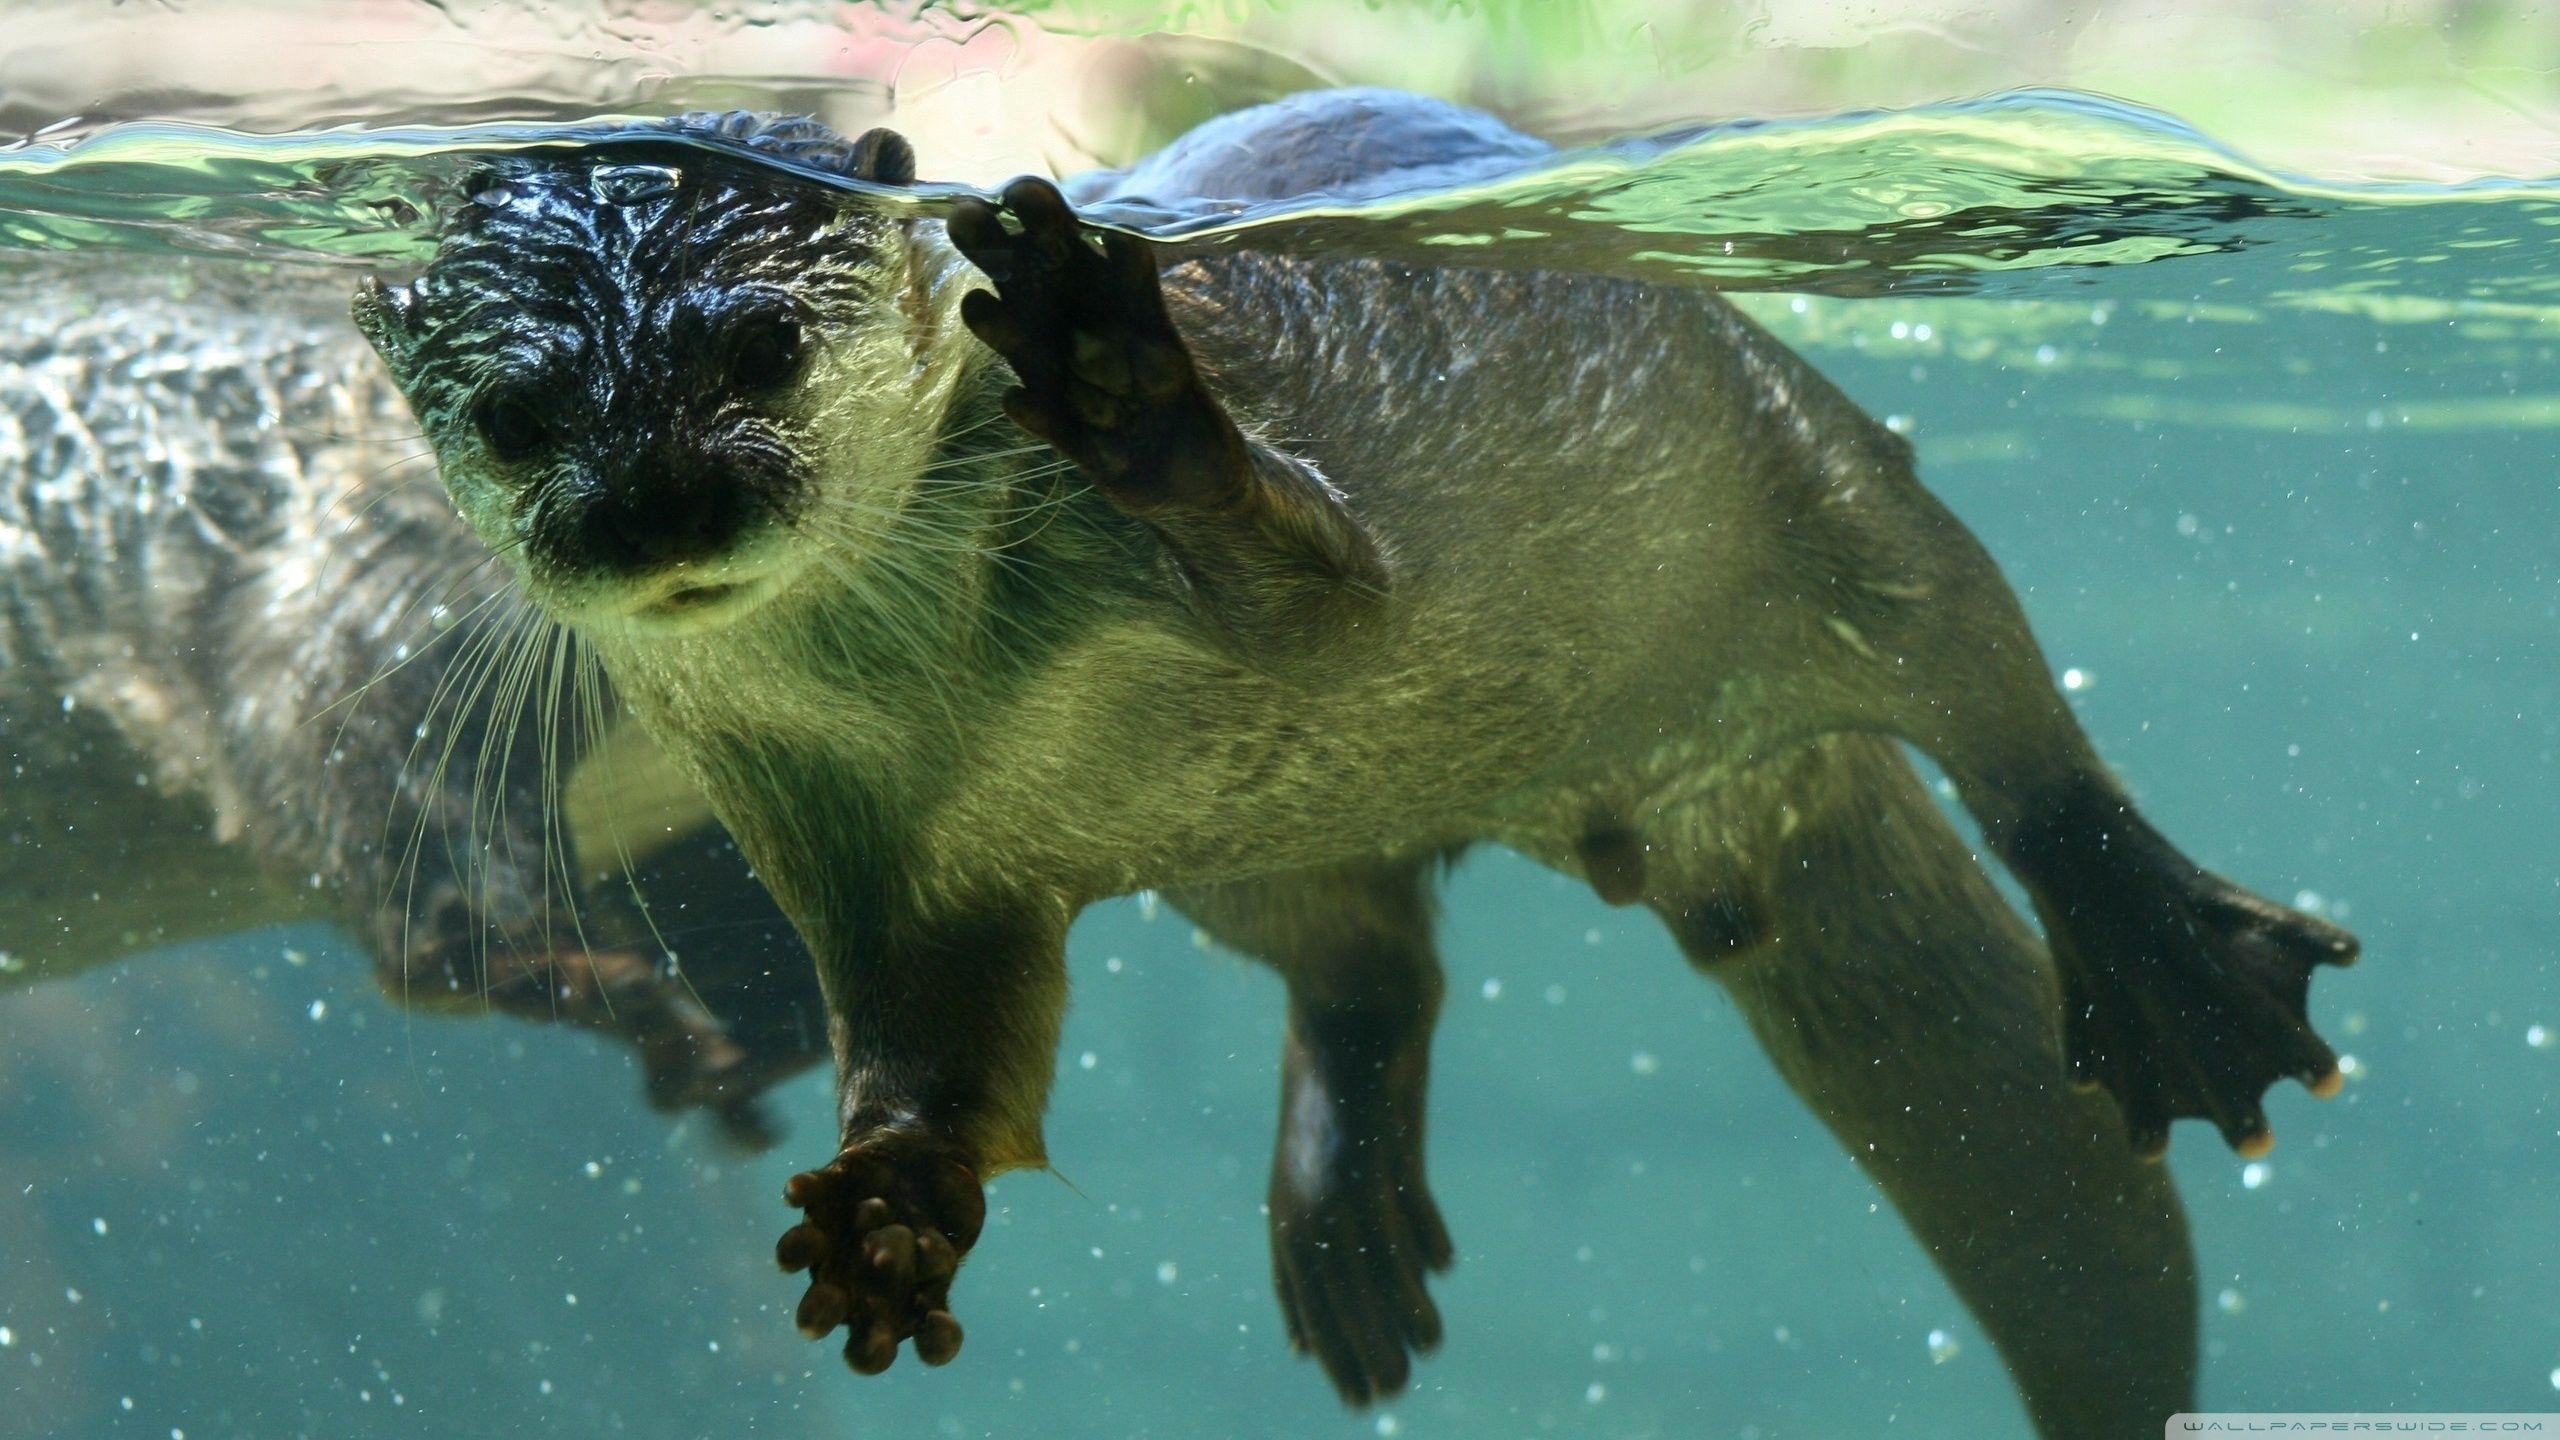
point(1087, 1060)
point(1490, 989)
point(1389, 1425)
point(2254, 1174)
point(594, 1169)
point(1643, 1062)
point(1594, 1393)
point(1943, 1347)
point(98, 1226)
point(2231, 1301)
point(1167, 1272)
point(319, 1009)
point(1555, 994)
point(8, 1337)
point(2538, 1036)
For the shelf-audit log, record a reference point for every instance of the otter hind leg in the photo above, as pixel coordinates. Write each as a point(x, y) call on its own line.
point(2170, 1039)
point(2187, 995)
point(1911, 1010)
point(1354, 1230)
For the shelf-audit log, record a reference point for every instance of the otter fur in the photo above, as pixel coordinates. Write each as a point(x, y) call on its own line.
point(979, 569)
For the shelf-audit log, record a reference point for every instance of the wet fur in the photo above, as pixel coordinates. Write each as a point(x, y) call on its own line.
point(1649, 591)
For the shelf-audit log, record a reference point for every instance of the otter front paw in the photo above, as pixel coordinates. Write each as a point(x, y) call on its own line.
point(2184, 995)
point(1104, 376)
point(1349, 1254)
point(887, 1223)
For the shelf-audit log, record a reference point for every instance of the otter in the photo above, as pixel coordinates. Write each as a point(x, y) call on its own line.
point(239, 685)
point(982, 567)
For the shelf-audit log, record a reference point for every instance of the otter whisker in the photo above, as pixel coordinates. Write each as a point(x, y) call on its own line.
point(460, 688)
point(489, 803)
point(417, 651)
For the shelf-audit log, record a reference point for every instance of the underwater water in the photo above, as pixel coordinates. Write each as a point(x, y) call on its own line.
point(2274, 463)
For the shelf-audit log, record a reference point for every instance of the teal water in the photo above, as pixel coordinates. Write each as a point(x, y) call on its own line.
point(2273, 465)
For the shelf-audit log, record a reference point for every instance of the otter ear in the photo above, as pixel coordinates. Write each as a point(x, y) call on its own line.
point(885, 158)
point(388, 317)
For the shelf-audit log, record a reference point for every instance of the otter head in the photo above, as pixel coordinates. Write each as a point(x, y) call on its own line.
point(643, 366)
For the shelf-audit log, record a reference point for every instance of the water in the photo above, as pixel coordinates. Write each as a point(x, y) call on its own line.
point(2271, 460)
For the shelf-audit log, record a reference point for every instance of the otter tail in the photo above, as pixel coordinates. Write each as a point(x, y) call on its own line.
point(1915, 1013)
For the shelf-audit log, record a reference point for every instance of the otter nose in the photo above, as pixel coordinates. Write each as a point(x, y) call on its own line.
point(640, 527)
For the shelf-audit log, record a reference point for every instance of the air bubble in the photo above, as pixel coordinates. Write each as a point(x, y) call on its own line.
point(1943, 1347)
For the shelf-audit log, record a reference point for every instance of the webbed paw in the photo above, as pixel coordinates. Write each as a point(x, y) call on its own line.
point(1104, 375)
point(1349, 1262)
point(887, 1224)
point(2184, 995)
point(1354, 1230)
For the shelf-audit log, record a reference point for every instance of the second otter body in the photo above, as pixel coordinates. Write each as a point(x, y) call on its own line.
point(1323, 570)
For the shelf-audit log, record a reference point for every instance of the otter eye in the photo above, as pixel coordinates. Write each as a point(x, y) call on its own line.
point(765, 354)
point(510, 426)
